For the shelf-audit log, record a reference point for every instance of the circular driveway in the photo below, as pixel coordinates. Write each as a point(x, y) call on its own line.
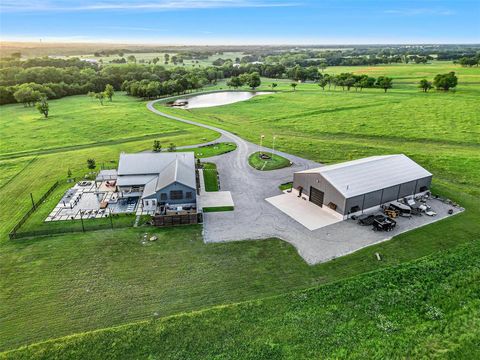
point(255, 218)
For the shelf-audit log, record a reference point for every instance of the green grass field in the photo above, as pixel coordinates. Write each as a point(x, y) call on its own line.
point(60, 285)
point(210, 176)
point(218, 209)
point(275, 162)
point(229, 55)
point(211, 150)
point(424, 309)
point(78, 120)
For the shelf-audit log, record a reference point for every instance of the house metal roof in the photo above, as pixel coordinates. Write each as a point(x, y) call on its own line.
point(369, 174)
point(155, 171)
point(150, 163)
point(110, 174)
point(131, 180)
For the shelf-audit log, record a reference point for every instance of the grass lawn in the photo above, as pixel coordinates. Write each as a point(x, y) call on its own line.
point(286, 186)
point(424, 309)
point(76, 121)
point(80, 282)
point(212, 150)
point(275, 162)
point(59, 285)
point(210, 176)
point(218, 208)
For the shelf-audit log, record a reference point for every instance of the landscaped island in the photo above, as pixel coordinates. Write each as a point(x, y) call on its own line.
point(264, 161)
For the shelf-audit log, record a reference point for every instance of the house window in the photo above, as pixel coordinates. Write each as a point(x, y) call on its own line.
point(188, 195)
point(176, 195)
point(163, 196)
point(146, 202)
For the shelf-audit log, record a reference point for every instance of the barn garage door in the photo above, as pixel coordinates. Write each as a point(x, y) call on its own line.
point(316, 196)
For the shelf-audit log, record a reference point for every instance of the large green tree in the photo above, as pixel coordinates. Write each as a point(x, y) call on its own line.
point(425, 85)
point(384, 82)
point(42, 107)
point(254, 80)
point(445, 81)
point(100, 96)
point(27, 95)
point(109, 92)
point(234, 82)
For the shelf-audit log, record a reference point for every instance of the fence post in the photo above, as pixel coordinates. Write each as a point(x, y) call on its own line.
point(81, 219)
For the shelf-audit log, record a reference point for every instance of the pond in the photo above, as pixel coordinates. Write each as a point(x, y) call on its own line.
point(219, 98)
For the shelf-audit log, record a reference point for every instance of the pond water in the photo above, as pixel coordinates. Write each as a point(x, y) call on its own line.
point(220, 98)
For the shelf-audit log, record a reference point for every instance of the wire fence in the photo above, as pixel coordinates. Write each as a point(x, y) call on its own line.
point(34, 207)
point(111, 221)
point(74, 226)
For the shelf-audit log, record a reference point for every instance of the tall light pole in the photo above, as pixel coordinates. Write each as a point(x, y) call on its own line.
point(261, 143)
point(273, 146)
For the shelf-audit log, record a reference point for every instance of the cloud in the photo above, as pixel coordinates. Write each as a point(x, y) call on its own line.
point(132, 28)
point(159, 5)
point(420, 11)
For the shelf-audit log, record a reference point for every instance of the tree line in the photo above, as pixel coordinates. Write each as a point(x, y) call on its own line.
point(56, 78)
point(469, 61)
point(348, 81)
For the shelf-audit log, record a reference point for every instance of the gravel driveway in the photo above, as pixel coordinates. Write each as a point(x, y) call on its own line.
point(255, 218)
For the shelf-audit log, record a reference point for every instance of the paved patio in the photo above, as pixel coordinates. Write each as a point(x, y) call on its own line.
point(303, 211)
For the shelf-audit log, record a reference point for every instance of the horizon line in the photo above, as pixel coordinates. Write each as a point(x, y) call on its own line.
point(109, 42)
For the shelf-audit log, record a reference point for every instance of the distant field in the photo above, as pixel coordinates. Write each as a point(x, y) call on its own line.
point(161, 55)
point(412, 73)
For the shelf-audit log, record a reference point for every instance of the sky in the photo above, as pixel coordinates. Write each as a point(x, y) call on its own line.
point(242, 22)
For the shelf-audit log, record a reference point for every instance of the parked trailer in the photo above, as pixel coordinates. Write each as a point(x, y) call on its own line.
point(383, 223)
point(403, 210)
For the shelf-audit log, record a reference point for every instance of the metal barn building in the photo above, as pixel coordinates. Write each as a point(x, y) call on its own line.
point(354, 186)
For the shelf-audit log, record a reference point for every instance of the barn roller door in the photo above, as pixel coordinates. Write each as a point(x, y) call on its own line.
point(316, 196)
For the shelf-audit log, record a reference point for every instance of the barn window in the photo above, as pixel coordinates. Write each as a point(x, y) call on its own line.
point(163, 196)
point(176, 195)
point(188, 195)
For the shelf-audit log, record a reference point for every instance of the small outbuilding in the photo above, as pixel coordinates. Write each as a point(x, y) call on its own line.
point(352, 187)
